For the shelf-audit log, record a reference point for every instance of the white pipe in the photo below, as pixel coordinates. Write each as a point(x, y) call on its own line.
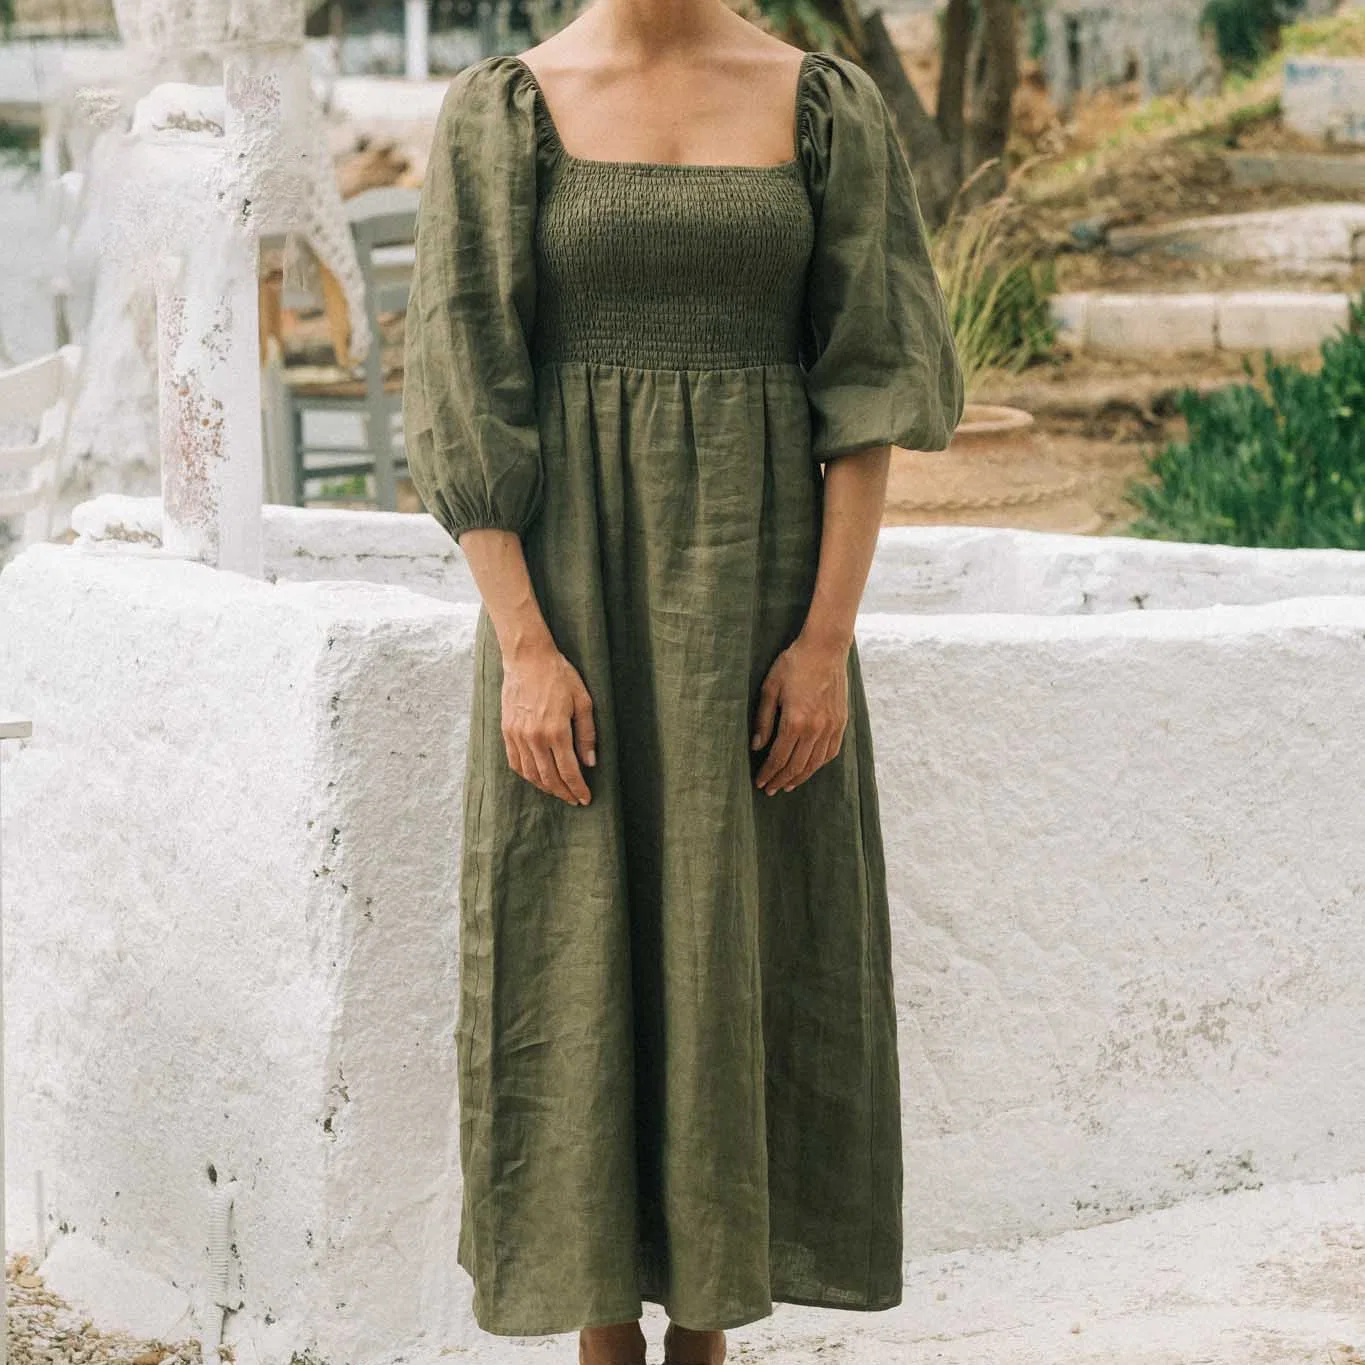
point(39, 1219)
point(220, 1269)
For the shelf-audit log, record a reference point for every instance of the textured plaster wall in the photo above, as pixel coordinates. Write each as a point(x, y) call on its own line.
point(1127, 858)
point(1127, 866)
point(229, 932)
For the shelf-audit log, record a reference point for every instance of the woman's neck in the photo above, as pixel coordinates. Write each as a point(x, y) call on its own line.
point(646, 30)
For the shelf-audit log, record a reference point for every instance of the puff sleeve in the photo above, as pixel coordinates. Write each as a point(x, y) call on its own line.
point(469, 405)
point(877, 346)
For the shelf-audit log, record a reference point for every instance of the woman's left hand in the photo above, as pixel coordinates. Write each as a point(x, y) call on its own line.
point(808, 685)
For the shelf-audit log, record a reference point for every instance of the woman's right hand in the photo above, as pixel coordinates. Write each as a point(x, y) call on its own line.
point(547, 722)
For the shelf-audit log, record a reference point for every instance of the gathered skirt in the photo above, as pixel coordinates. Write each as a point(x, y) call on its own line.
point(677, 1067)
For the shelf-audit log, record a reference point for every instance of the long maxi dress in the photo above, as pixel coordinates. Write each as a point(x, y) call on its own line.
point(677, 1054)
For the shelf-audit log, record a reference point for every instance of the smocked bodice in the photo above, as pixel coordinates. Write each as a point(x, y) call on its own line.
point(670, 266)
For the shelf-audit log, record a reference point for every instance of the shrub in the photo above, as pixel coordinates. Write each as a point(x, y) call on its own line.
point(1284, 467)
point(1246, 30)
point(996, 289)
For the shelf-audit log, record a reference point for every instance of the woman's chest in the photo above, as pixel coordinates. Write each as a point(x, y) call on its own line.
point(702, 252)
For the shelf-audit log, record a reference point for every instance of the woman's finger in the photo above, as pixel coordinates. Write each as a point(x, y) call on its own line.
point(801, 770)
point(791, 772)
point(570, 774)
point(584, 728)
point(767, 709)
point(529, 768)
point(522, 765)
point(838, 741)
point(787, 736)
point(831, 748)
point(542, 753)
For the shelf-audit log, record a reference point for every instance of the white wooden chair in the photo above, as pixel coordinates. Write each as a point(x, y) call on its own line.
point(42, 393)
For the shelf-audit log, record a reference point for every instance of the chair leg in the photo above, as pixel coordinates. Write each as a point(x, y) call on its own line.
point(276, 430)
point(377, 428)
point(296, 469)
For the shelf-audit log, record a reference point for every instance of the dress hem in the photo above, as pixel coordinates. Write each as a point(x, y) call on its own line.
point(742, 1320)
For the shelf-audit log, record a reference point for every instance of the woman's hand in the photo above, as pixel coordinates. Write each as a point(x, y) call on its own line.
point(808, 682)
point(808, 685)
point(547, 723)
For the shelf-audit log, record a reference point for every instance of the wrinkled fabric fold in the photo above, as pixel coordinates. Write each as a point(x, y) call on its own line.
point(677, 1053)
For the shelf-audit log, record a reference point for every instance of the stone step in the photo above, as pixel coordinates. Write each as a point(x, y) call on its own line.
point(1298, 170)
point(1314, 238)
point(1138, 324)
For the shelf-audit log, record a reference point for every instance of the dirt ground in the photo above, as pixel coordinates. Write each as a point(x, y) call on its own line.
point(1097, 421)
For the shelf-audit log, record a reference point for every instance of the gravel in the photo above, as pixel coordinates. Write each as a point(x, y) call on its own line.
point(44, 1328)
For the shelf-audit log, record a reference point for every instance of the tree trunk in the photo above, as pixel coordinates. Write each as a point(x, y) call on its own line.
point(993, 97)
point(952, 83)
point(934, 160)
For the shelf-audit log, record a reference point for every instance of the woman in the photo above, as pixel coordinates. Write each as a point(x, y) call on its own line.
point(668, 267)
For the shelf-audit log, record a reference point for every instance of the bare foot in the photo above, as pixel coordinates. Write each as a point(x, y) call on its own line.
point(683, 1346)
point(622, 1343)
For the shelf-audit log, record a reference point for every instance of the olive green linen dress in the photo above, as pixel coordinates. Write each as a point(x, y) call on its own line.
point(677, 1055)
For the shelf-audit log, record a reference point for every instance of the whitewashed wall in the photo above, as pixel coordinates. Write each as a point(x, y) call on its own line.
point(229, 938)
point(916, 569)
point(1126, 851)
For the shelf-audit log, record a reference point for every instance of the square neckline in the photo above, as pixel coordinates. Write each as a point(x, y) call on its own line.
point(713, 167)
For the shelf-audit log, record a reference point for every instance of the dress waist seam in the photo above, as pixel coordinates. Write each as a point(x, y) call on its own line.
point(707, 367)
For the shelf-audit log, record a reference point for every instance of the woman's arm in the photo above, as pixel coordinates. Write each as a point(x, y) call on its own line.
point(808, 682)
point(547, 721)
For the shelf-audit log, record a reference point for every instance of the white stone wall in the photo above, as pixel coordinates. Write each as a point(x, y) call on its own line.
point(919, 569)
point(1092, 44)
point(1125, 847)
point(1325, 97)
point(229, 935)
point(1127, 863)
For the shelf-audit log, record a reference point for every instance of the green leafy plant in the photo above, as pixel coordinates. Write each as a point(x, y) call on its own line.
point(353, 486)
point(19, 147)
point(1283, 466)
point(997, 292)
point(1247, 30)
point(1035, 23)
point(1333, 35)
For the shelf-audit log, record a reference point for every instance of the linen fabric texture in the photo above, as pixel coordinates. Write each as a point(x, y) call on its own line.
point(677, 1052)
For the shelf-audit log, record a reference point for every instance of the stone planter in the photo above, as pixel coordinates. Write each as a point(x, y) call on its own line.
point(998, 470)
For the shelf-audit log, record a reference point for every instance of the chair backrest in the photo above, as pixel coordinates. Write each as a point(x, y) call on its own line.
point(383, 216)
point(41, 392)
point(383, 222)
